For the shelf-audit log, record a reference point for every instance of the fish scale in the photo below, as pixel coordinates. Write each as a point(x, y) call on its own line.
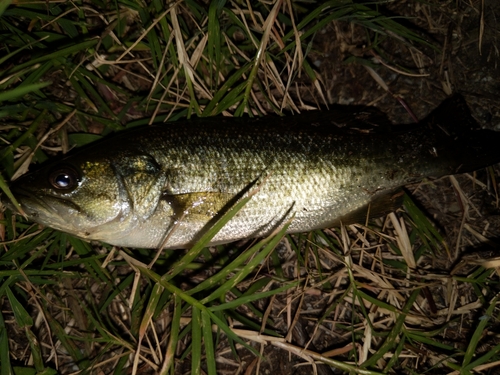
point(318, 168)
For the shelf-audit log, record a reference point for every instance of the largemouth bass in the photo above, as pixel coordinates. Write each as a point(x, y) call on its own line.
point(166, 184)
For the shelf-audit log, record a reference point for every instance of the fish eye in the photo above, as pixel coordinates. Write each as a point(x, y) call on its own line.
point(64, 178)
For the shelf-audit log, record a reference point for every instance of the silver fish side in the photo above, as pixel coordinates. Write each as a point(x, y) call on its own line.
point(174, 180)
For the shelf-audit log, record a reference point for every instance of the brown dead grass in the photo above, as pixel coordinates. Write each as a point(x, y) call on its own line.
point(325, 320)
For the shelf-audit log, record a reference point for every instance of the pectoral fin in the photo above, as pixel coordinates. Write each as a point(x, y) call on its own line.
point(198, 207)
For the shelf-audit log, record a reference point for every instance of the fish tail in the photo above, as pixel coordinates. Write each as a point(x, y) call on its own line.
point(461, 140)
point(453, 117)
point(479, 150)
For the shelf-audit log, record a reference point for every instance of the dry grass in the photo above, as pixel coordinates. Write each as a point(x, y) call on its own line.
point(395, 295)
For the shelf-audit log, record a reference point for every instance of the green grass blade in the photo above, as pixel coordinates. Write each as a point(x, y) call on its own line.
point(206, 323)
point(174, 335)
point(228, 95)
point(492, 352)
point(5, 366)
point(192, 302)
point(391, 339)
point(22, 90)
point(196, 335)
point(150, 309)
point(92, 264)
point(68, 343)
point(257, 296)
point(5, 188)
point(478, 334)
point(9, 150)
point(229, 269)
point(36, 352)
point(4, 4)
point(23, 319)
point(249, 267)
point(61, 53)
point(204, 240)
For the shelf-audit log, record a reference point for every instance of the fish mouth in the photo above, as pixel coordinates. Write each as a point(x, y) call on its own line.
point(63, 214)
point(46, 207)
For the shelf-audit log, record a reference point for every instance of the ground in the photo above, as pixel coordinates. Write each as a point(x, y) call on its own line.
point(413, 292)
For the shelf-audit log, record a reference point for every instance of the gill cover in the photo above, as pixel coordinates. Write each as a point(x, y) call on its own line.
point(143, 181)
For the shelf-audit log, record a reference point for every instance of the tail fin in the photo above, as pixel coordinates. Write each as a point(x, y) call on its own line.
point(472, 147)
point(452, 116)
point(479, 149)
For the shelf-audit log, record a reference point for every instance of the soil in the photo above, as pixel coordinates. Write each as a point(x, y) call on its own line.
point(462, 57)
point(354, 67)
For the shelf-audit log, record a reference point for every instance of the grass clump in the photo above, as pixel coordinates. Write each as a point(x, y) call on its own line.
point(363, 299)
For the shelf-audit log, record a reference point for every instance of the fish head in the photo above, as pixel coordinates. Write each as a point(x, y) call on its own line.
point(92, 197)
point(100, 193)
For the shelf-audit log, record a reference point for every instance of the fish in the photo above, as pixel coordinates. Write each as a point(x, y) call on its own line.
point(165, 185)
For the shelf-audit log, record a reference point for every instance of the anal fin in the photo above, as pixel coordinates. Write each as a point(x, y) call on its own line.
point(381, 205)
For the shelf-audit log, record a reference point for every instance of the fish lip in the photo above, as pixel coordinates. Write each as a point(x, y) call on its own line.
point(40, 201)
point(40, 208)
